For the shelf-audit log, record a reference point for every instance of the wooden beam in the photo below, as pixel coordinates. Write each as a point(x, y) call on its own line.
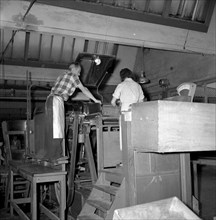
point(128, 14)
point(166, 8)
point(32, 63)
point(96, 46)
point(209, 11)
point(40, 43)
point(195, 10)
point(86, 46)
point(72, 49)
point(62, 47)
point(27, 38)
point(51, 47)
point(147, 4)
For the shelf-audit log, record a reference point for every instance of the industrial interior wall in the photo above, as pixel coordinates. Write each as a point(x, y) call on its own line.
point(177, 67)
point(56, 20)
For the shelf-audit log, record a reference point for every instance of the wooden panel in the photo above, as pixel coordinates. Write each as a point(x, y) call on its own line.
point(78, 46)
point(112, 153)
point(170, 126)
point(157, 176)
point(67, 51)
point(155, 187)
point(34, 46)
point(148, 188)
point(148, 163)
point(6, 34)
point(56, 48)
point(45, 47)
point(18, 45)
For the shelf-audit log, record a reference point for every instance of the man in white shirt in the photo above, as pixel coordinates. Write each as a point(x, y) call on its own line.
point(128, 91)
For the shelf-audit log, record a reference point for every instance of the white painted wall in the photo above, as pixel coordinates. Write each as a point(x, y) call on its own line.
point(126, 58)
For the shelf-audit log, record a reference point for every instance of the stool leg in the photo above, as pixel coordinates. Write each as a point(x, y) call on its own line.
point(11, 191)
point(34, 199)
point(62, 204)
point(7, 190)
point(90, 157)
point(195, 176)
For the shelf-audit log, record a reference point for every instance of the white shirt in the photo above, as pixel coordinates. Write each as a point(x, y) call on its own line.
point(128, 92)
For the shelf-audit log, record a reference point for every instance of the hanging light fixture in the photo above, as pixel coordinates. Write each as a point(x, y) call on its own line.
point(164, 83)
point(143, 79)
point(97, 60)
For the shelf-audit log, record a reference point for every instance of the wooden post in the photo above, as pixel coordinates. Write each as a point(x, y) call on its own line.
point(128, 161)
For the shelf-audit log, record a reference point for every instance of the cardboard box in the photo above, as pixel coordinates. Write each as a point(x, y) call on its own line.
point(172, 126)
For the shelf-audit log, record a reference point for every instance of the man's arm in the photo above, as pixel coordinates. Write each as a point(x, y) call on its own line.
point(113, 101)
point(88, 93)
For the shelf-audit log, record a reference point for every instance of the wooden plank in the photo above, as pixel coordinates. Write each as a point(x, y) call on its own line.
point(209, 162)
point(111, 145)
point(48, 213)
point(26, 50)
point(186, 188)
point(128, 161)
point(100, 148)
point(20, 212)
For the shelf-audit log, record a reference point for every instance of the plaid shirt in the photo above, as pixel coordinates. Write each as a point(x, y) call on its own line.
point(65, 85)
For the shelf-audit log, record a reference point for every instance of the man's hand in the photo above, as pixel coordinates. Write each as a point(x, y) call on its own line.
point(98, 101)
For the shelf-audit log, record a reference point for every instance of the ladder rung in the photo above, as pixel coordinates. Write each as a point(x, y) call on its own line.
point(20, 182)
point(108, 189)
point(20, 191)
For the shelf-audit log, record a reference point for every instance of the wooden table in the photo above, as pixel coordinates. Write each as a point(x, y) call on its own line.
point(37, 173)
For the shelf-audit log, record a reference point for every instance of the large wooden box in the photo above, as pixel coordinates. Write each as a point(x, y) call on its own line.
point(172, 126)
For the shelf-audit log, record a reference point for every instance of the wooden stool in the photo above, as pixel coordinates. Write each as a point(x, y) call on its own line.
point(3, 178)
point(36, 173)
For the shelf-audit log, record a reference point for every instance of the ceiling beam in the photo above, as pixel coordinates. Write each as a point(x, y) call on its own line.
point(130, 14)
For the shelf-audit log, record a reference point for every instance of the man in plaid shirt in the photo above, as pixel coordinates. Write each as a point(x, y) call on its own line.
point(64, 87)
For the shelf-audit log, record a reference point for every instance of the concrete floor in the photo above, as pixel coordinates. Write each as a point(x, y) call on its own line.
point(207, 192)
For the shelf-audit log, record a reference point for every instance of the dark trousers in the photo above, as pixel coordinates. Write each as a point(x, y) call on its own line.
point(53, 146)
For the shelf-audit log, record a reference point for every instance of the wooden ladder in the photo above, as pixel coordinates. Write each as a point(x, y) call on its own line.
point(108, 194)
point(20, 185)
point(21, 188)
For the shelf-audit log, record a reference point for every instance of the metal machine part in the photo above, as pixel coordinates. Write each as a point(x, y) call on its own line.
point(92, 72)
point(81, 107)
point(79, 130)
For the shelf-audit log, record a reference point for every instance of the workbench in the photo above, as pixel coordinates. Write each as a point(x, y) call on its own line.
point(36, 174)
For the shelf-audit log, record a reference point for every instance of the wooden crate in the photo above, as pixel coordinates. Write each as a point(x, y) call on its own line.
point(172, 126)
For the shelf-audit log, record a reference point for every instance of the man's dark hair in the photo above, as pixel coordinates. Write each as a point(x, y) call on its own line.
point(125, 73)
point(76, 64)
